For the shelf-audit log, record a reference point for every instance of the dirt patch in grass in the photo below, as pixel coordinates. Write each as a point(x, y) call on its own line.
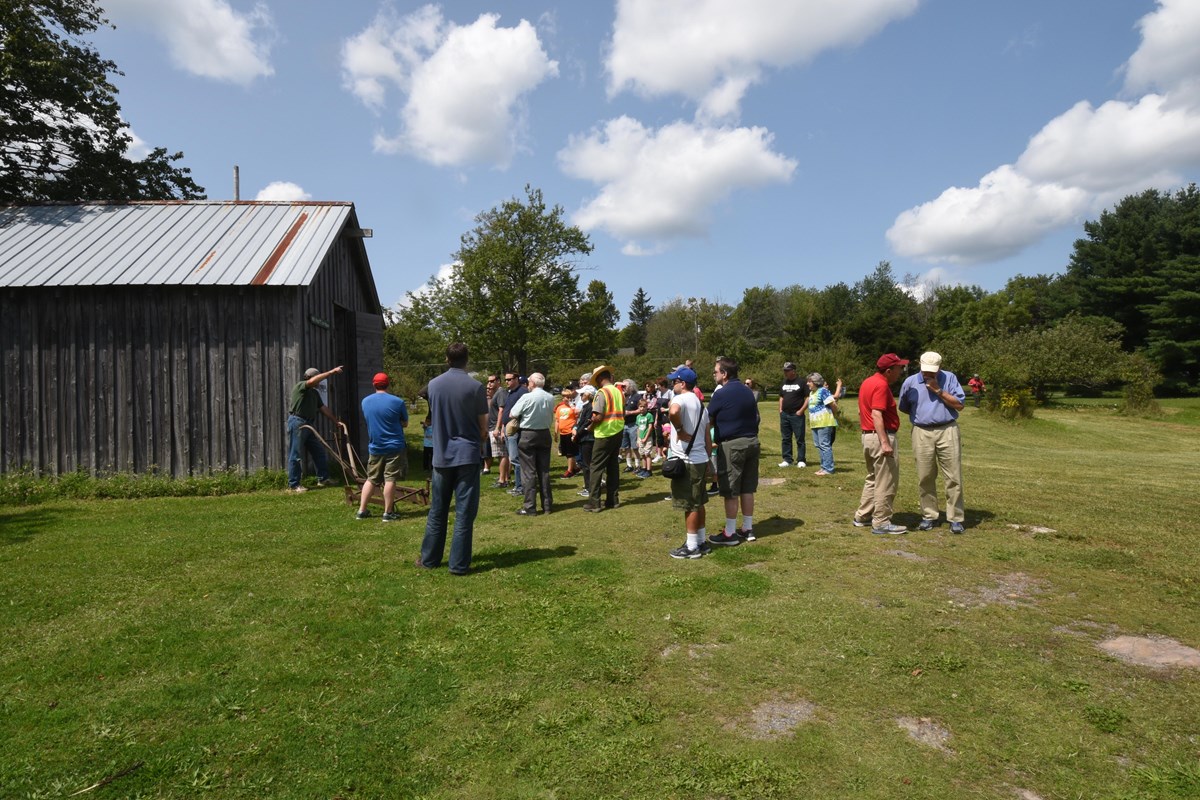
point(1032, 528)
point(1014, 589)
point(692, 651)
point(1085, 627)
point(772, 481)
point(905, 554)
point(1152, 651)
point(774, 719)
point(927, 732)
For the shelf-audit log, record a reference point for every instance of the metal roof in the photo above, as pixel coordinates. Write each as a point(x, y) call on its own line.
point(182, 243)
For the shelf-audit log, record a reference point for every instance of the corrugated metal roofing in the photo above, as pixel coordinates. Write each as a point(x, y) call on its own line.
point(168, 243)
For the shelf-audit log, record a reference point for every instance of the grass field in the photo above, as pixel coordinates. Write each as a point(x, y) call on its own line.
point(270, 645)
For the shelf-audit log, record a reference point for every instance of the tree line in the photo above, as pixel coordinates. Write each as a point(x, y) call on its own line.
point(1126, 310)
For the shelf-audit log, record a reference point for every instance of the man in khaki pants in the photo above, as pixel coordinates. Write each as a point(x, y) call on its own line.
point(932, 399)
point(879, 421)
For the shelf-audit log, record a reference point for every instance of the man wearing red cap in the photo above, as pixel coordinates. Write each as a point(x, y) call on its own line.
point(386, 417)
point(879, 420)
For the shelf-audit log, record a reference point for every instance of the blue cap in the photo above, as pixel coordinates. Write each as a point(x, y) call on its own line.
point(683, 374)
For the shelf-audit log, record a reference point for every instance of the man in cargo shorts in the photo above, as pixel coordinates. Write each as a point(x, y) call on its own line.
point(386, 417)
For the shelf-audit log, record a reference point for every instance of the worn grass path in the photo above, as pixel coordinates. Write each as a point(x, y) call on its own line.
point(272, 646)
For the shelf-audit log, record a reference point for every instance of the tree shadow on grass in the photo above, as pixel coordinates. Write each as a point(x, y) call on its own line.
point(504, 559)
point(17, 527)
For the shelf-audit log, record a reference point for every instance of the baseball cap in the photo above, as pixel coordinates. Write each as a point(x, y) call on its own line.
point(683, 374)
point(931, 361)
point(311, 372)
point(890, 360)
point(380, 380)
point(788, 365)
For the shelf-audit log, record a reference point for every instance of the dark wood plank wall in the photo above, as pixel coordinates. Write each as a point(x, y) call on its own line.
point(178, 380)
point(341, 284)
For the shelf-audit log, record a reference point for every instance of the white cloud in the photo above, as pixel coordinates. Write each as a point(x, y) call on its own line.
point(208, 38)
point(464, 84)
point(443, 272)
point(661, 185)
point(1168, 59)
point(283, 191)
point(1000, 217)
point(1084, 159)
point(699, 48)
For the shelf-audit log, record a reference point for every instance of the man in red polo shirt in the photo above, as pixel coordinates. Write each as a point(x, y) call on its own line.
point(879, 421)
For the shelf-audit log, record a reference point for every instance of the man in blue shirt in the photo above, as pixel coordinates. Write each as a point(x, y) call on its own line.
point(932, 399)
point(386, 417)
point(734, 414)
point(458, 411)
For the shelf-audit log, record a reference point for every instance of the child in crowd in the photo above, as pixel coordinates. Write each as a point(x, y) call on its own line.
point(427, 455)
point(645, 436)
point(565, 417)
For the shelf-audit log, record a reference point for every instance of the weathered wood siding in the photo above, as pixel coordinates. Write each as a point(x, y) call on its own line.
point(175, 380)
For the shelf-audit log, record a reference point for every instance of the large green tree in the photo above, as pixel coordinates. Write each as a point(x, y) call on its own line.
point(1140, 266)
point(640, 314)
point(513, 292)
point(62, 137)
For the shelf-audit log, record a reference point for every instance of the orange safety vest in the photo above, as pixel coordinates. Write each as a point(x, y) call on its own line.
point(613, 421)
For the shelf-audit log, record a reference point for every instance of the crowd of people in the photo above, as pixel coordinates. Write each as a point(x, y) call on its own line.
point(600, 424)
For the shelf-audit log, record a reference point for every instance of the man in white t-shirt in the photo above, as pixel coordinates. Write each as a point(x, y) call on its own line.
point(688, 419)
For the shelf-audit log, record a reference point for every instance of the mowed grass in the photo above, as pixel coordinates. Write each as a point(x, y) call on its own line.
point(272, 646)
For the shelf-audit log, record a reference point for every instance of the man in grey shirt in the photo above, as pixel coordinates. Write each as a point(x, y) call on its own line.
point(458, 414)
point(535, 411)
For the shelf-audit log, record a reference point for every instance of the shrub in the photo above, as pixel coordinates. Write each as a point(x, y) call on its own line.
point(1140, 376)
point(25, 488)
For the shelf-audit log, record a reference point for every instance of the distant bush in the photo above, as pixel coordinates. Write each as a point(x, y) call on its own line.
point(25, 488)
point(1141, 377)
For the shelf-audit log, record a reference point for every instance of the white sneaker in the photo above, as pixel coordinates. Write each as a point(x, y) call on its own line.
point(297, 489)
point(800, 465)
point(785, 463)
point(656, 459)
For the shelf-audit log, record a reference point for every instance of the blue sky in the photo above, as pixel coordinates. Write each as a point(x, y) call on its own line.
point(705, 145)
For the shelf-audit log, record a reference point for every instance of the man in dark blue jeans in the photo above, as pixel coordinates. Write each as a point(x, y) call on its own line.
point(305, 404)
point(793, 411)
point(458, 414)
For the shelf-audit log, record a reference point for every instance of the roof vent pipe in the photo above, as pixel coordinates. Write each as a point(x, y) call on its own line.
point(237, 184)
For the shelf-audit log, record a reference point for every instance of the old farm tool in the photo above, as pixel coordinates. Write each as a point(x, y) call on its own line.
point(354, 472)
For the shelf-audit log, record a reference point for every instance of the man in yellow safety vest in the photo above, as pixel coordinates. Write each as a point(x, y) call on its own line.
point(608, 422)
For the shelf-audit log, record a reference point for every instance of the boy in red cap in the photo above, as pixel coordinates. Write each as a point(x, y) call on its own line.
point(386, 417)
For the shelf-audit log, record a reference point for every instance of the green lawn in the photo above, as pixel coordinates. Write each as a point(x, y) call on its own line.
point(271, 645)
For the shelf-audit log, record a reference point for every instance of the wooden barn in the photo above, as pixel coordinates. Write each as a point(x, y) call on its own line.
point(167, 336)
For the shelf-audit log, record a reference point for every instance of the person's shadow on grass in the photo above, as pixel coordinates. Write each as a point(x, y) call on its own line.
point(776, 526)
point(503, 559)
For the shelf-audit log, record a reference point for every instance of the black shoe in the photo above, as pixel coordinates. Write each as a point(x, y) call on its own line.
point(526, 512)
point(927, 525)
point(592, 508)
point(686, 552)
point(724, 539)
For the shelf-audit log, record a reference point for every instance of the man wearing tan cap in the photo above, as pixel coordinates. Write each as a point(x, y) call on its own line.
point(932, 399)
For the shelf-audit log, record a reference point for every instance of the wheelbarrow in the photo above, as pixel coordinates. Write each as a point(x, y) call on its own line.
point(354, 472)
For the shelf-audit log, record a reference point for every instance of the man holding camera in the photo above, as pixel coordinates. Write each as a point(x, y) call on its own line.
point(932, 399)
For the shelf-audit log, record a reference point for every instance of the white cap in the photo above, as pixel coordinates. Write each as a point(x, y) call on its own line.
point(931, 361)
